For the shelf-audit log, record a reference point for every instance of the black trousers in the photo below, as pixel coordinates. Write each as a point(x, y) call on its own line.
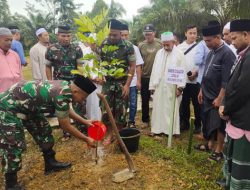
point(145, 96)
point(190, 92)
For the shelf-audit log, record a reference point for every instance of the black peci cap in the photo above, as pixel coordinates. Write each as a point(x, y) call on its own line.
point(211, 30)
point(240, 25)
point(213, 22)
point(115, 24)
point(64, 29)
point(85, 84)
point(124, 27)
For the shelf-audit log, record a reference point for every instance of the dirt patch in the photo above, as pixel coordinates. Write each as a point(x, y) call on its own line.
point(85, 174)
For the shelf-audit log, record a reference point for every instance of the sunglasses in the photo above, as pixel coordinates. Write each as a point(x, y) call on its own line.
point(147, 33)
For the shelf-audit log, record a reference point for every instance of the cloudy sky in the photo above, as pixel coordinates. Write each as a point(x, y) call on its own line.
point(131, 6)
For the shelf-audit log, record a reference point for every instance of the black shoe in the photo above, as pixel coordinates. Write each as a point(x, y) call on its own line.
point(11, 182)
point(51, 164)
point(221, 182)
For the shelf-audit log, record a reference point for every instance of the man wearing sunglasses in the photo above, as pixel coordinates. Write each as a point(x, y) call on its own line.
point(148, 49)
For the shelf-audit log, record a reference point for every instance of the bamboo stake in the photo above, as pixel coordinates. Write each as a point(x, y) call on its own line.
point(191, 132)
point(170, 135)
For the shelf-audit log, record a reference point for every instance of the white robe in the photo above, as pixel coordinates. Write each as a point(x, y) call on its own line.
point(93, 110)
point(37, 60)
point(165, 93)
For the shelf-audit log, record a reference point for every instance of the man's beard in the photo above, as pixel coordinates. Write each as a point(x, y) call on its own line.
point(168, 50)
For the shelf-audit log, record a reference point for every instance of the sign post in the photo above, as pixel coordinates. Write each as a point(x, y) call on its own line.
point(177, 77)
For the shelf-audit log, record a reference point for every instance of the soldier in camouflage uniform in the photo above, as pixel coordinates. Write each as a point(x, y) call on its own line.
point(117, 89)
point(64, 57)
point(23, 105)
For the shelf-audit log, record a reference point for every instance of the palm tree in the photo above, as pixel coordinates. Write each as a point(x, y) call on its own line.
point(116, 10)
point(66, 10)
point(30, 24)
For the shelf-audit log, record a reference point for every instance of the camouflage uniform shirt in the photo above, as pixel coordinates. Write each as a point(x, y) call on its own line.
point(125, 52)
point(112, 88)
point(22, 106)
point(63, 60)
point(35, 97)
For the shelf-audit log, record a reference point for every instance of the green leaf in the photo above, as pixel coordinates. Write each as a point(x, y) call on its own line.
point(89, 56)
point(104, 63)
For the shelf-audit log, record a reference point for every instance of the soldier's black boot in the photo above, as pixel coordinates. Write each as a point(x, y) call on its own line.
point(51, 164)
point(11, 182)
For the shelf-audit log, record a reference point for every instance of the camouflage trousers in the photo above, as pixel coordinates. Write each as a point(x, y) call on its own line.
point(12, 138)
point(118, 105)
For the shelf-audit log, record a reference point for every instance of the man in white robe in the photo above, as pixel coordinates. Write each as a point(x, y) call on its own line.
point(164, 93)
point(37, 55)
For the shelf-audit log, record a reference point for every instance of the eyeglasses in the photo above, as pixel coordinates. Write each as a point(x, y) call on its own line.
point(148, 33)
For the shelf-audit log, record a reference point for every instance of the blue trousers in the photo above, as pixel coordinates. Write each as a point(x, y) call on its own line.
point(132, 104)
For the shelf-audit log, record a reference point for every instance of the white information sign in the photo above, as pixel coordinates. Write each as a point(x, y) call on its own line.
point(176, 75)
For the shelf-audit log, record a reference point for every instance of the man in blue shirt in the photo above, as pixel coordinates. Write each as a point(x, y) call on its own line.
point(16, 44)
point(200, 58)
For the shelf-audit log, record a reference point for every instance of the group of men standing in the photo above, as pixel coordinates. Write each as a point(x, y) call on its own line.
point(217, 85)
point(214, 81)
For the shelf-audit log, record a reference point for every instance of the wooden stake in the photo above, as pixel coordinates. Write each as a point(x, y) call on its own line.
point(117, 135)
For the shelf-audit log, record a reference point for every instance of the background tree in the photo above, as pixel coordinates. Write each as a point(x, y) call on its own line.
point(66, 9)
point(172, 15)
point(116, 10)
point(5, 15)
point(98, 7)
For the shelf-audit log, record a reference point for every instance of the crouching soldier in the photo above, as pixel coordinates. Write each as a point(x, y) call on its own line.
point(23, 105)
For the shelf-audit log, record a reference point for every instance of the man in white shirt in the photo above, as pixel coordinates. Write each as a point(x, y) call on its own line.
point(37, 55)
point(136, 81)
point(191, 91)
